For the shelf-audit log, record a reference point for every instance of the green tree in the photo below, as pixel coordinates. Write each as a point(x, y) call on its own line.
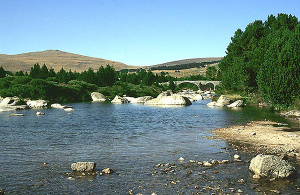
point(2, 72)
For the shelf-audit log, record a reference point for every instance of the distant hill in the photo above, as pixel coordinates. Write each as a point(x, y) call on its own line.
point(186, 61)
point(56, 59)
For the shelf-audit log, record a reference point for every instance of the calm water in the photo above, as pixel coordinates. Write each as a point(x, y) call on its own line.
point(131, 139)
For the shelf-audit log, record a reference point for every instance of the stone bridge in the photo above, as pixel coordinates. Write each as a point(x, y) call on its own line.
point(197, 83)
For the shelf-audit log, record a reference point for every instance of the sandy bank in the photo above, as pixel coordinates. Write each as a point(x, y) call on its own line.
point(268, 136)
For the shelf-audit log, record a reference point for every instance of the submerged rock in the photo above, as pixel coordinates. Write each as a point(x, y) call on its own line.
point(40, 113)
point(98, 97)
point(272, 166)
point(107, 171)
point(83, 166)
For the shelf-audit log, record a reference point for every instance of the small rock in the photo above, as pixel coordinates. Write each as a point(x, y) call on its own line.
point(256, 176)
point(181, 159)
point(253, 133)
point(275, 191)
point(237, 157)
point(69, 109)
point(240, 191)
point(107, 171)
point(214, 162)
point(192, 161)
point(173, 182)
point(241, 181)
point(225, 161)
point(40, 113)
point(200, 163)
point(207, 164)
point(70, 178)
point(16, 114)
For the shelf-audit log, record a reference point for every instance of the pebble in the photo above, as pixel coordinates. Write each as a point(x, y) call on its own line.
point(40, 113)
point(181, 159)
point(225, 161)
point(237, 157)
point(241, 181)
point(71, 178)
point(214, 162)
point(255, 176)
point(107, 171)
point(207, 164)
point(253, 133)
point(173, 182)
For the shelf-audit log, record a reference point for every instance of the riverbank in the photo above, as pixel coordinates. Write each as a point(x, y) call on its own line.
point(265, 136)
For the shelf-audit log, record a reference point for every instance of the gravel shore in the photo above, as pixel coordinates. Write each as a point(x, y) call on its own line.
point(271, 137)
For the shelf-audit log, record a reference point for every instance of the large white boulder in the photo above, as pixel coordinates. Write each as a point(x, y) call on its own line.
point(272, 166)
point(9, 101)
point(235, 104)
point(119, 100)
point(223, 101)
point(37, 104)
point(98, 97)
point(197, 97)
point(168, 98)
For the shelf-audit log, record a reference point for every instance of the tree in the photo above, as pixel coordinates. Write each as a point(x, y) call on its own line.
point(35, 71)
point(2, 72)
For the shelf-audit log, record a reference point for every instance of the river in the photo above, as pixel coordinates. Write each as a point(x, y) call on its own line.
point(37, 151)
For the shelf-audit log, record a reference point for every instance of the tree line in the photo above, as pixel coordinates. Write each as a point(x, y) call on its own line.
point(265, 59)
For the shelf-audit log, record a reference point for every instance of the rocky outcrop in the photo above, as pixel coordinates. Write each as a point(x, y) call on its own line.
point(11, 104)
point(98, 97)
point(292, 113)
point(272, 167)
point(139, 100)
point(83, 166)
point(9, 101)
point(236, 104)
point(168, 98)
point(119, 100)
point(59, 106)
point(222, 101)
point(37, 104)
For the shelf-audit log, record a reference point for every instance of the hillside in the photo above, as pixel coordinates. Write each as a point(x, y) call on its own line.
point(56, 59)
point(186, 61)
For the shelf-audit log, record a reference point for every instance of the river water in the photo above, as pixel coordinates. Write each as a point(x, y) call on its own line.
point(37, 151)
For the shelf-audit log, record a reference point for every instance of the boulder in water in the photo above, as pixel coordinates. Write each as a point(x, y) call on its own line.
point(272, 166)
point(83, 166)
point(235, 104)
point(98, 97)
point(168, 98)
point(119, 100)
point(37, 104)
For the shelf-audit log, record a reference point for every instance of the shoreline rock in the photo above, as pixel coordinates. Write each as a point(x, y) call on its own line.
point(272, 167)
point(98, 97)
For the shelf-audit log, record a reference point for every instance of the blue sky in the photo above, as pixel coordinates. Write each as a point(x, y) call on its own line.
point(135, 32)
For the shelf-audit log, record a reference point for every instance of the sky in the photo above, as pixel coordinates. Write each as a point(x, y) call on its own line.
point(135, 32)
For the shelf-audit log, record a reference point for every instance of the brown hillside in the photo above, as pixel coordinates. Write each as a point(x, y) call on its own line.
point(187, 61)
point(56, 59)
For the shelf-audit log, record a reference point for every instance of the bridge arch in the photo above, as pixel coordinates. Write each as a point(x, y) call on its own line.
point(198, 83)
